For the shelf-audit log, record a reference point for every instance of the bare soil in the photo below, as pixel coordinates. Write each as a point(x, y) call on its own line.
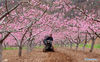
point(60, 55)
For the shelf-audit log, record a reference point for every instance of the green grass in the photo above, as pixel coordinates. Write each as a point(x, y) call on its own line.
point(89, 45)
point(15, 48)
point(97, 46)
point(39, 46)
point(55, 46)
point(10, 48)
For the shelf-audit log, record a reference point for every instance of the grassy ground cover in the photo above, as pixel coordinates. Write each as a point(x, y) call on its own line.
point(55, 46)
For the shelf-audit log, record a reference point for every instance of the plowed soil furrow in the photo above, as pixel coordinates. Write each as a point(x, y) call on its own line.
point(57, 57)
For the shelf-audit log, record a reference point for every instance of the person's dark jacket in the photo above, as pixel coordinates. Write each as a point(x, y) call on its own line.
point(47, 38)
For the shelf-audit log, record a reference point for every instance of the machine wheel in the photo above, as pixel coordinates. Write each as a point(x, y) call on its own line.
point(48, 49)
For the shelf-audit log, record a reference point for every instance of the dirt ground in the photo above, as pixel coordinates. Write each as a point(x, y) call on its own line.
point(60, 55)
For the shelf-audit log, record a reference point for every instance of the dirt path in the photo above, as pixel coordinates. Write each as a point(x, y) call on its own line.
point(37, 56)
point(57, 57)
point(60, 55)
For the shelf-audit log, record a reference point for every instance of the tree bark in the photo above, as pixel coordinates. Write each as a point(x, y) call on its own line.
point(6, 13)
point(29, 47)
point(77, 45)
point(1, 48)
point(85, 42)
point(20, 51)
point(22, 39)
point(70, 45)
point(84, 45)
point(92, 46)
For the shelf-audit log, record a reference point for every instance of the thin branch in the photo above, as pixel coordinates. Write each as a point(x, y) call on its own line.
point(16, 39)
point(9, 11)
point(5, 36)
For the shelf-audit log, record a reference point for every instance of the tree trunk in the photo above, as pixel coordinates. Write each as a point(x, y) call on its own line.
point(77, 46)
point(92, 46)
point(20, 51)
point(40, 43)
point(85, 42)
point(1, 48)
point(84, 45)
point(61, 44)
point(29, 47)
point(70, 45)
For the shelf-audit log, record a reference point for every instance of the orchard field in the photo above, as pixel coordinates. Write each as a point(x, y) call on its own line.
point(74, 26)
point(61, 54)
